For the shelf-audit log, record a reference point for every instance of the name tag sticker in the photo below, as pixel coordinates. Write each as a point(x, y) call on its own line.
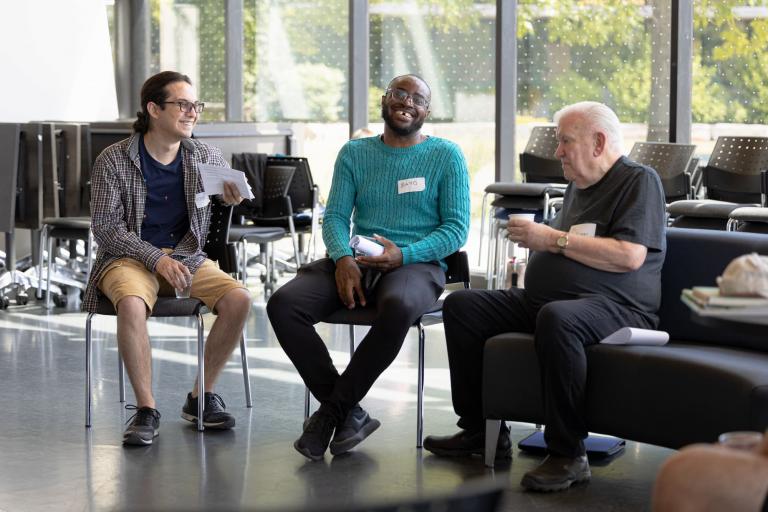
point(201, 200)
point(411, 185)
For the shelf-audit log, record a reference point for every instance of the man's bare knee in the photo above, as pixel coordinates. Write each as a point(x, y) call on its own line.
point(132, 307)
point(235, 303)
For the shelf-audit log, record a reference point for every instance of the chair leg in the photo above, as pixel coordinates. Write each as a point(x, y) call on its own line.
point(88, 388)
point(200, 372)
point(420, 390)
point(244, 258)
point(306, 402)
point(246, 378)
point(491, 439)
point(295, 240)
point(351, 340)
point(51, 262)
point(121, 377)
point(40, 256)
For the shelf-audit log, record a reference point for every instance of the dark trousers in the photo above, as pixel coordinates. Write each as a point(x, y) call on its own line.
point(561, 329)
point(400, 297)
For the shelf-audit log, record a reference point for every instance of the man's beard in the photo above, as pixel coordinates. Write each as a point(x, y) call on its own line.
point(403, 132)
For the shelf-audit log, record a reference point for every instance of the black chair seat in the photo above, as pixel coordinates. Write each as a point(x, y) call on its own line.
point(703, 208)
point(255, 234)
point(164, 307)
point(750, 214)
point(68, 222)
point(524, 189)
point(366, 316)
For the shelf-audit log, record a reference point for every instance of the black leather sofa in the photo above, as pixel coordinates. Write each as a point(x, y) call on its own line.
point(710, 378)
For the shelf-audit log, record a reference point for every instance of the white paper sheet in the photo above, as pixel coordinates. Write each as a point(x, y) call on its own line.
point(637, 336)
point(214, 177)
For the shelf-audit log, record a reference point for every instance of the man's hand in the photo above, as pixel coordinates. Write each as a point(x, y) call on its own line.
point(528, 234)
point(173, 271)
point(391, 258)
point(231, 195)
point(348, 282)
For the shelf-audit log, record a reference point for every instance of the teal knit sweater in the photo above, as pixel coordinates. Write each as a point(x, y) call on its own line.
point(427, 225)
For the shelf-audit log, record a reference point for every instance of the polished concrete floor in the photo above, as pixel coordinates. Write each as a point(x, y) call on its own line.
point(49, 461)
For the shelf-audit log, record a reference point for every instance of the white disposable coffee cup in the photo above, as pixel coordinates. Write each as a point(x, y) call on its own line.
point(741, 440)
point(586, 229)
point(522, 216)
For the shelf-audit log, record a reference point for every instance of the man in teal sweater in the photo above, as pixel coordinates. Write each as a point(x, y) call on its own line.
point(409, 192)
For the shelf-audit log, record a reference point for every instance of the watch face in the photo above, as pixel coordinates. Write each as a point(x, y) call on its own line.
point(562, 241)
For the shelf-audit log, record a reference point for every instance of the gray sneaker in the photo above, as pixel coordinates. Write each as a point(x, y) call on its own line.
point(144, 426)
point(356, 427)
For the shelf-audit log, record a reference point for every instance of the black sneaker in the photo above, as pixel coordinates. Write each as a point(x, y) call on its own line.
point(215, 415)
point(465, 443)
point(357, 426)
point(317, 434)
point(144, 425)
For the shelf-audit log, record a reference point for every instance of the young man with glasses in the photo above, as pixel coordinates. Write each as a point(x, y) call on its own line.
point(150, 218)
point(411, 193)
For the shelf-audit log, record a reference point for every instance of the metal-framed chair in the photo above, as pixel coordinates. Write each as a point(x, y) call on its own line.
point(457, 272)
point(218, 249)
point(305, 203)
point(751, 219)
point(543, 178)
point(732, 179)
point(672, 162)
point(276, 204)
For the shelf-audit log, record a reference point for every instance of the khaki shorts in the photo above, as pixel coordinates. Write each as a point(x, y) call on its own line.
point(126, 276)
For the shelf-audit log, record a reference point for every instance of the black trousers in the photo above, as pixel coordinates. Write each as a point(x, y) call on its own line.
point(561, 329)
point(400, 297)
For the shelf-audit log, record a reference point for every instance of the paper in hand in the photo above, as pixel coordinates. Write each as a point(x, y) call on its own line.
point(214, 176)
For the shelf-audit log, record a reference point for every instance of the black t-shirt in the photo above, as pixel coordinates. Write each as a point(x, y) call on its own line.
point(626, 204)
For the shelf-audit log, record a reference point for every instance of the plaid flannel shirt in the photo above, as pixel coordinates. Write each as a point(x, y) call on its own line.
point(118, 196)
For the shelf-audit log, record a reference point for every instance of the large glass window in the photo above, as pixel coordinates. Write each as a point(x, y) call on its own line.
point(451, 44)
point(616, 52)
point(730, 71)
point(188, 36)
point(295, 71)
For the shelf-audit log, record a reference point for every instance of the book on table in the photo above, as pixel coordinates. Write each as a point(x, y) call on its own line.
point(709, 296)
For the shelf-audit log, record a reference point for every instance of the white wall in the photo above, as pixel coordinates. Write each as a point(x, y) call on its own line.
point(56, 61)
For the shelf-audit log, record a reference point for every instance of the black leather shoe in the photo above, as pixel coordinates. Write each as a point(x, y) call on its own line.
point(468, 442)
point(356, 427)
point(557, 474)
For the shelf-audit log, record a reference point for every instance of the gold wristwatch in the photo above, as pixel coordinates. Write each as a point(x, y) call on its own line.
point(562, 242)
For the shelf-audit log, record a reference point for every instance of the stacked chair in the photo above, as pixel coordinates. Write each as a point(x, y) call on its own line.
point(543, 181)
point(732, 179)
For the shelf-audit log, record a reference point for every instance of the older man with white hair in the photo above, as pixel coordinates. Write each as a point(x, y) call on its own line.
point(595, 269)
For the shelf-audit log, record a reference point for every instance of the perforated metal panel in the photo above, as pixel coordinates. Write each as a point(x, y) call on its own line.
point(740, 155)
point(668, 159)
point(542, 142)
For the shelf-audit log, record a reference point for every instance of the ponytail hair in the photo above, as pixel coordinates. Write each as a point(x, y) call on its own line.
point(154, 91)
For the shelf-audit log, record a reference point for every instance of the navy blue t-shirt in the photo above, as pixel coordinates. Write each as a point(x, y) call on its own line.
point(166, 219)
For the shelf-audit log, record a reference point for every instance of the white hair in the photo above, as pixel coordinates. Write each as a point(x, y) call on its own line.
point(600, 117)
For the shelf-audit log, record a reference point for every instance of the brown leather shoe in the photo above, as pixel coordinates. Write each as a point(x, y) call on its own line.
point(465, 443)
point(557, 474)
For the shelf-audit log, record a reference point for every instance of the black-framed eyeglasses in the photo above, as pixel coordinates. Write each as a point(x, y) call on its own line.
point(188, 106)
point(402, 95)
